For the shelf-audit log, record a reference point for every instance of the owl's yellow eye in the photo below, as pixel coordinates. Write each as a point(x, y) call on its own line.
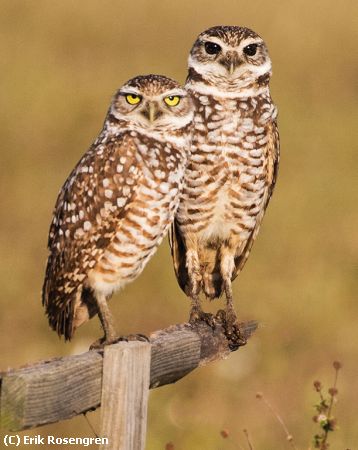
point(133, 99)
point(172, 100)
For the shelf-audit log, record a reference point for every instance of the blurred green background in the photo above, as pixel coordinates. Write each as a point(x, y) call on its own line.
point(61, 61)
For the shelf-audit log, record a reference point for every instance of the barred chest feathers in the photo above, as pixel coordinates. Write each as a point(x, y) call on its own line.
point(228, 158)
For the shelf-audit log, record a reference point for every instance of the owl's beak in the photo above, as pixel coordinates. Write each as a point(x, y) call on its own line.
point(231, 62)
point(151, 111)
point(232, 68)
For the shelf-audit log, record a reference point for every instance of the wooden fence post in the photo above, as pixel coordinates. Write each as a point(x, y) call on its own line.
point(125, 391)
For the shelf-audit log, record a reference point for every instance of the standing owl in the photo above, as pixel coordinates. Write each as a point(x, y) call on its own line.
point(233, 165)
point(118, 203)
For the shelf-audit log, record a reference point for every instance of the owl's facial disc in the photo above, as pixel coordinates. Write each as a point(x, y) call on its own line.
point(168, 108)
point(229, 56)
point(213, 52)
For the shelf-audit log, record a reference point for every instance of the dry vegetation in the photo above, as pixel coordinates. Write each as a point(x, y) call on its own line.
point(324, 418)
point(61, 62)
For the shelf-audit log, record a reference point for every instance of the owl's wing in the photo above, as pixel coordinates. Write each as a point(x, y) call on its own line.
point(87, 213)
point(178, 252)
point(273, 158)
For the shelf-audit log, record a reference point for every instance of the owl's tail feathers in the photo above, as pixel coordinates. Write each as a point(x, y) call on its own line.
point(66, 312)
point(59, 307)
point(212, 285)
point(211, 282)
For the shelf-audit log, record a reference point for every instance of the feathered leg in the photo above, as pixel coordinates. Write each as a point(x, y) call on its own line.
point(107, 322)
point(195, 277)
point(227, 266)
point(193, 266)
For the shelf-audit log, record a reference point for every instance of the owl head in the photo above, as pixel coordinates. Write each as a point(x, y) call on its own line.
point(150, 103)
point(230, 58)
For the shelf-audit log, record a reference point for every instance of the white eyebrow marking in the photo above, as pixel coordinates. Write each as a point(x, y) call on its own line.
point(249, 41)
point(225, 47)
point(175, 92)
point(125, 90)
point(213, 40)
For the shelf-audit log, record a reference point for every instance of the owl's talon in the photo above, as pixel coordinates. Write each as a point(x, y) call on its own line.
point(97, 345)
point(221, 316)
point(137, 337)
point(209, 319)
point(198, 316)
point(233, 333)
point(101, 343)
point(230, 324)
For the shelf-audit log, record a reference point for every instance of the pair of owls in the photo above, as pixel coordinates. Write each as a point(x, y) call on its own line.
point(200, 161)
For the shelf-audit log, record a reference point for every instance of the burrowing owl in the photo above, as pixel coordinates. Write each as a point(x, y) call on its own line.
point(117, 204)
point(233, 165)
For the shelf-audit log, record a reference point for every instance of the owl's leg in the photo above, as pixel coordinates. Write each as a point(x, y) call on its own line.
point(195, 278)
point(193, 268)
point(195, 309)
point(231, 316)
point(107, 322)
point(227, 267)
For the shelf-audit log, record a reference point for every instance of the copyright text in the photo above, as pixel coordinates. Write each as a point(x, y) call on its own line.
point(14, 440)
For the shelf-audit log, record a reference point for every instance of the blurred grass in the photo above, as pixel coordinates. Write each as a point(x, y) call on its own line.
point(61, 62)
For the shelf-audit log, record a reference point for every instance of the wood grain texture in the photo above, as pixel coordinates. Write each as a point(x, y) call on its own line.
point(50, 391)
point(125, 391)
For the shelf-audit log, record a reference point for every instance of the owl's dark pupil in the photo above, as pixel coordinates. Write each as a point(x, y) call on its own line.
point(250, 49)
point(171, 97)
point(134, 96)
point(211, 48)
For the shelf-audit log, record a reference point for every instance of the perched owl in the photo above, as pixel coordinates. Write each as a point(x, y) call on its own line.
point(118, 203)
point(233, 165)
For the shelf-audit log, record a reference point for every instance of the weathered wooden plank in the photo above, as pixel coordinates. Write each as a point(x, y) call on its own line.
point(49, 391)
point(125, 391)
point(61, 388)
point(175, 353)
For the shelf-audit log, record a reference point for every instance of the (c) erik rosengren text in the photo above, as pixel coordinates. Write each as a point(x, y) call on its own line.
point(15, 440)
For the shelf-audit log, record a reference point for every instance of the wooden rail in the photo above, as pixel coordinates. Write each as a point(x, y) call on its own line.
point(60, 388)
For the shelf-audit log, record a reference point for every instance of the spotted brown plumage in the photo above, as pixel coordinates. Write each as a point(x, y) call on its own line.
point(233, 165)
point(118, 202)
